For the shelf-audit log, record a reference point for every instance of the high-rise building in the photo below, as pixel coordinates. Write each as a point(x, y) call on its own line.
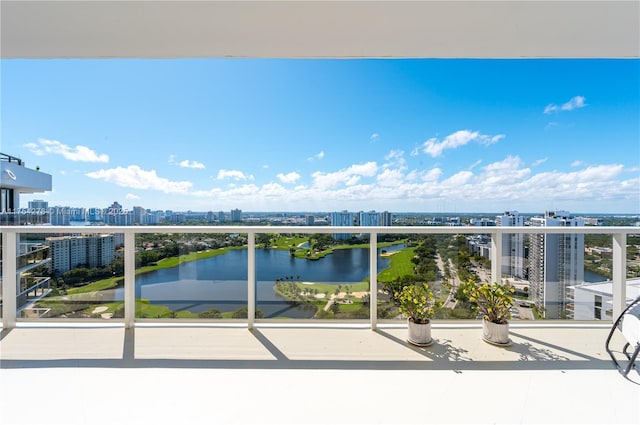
point(236, 216)
point(343, 218)
point(556, 265)
point(59, 216)
point(309, 219)
point(139, 215)
point(370, 218)
point(513, 246)
point(386, 218)
point(221, 218)
point(69, 252)
point(38, 204)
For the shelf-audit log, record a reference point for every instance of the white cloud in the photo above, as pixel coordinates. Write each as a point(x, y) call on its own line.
point(390, 178)
point(349, 176)
point(191, 164)
point(78, 153)
point(374, 137)
point(435, 147)
point(291, 177)
point(432, 175)
point(575, 102)
point(131, 196)
point(186, 163)
point(500, 185)
point(395, 157)
point(318, 156)
point(539, 161)
point(234, 174)
point(577, 163)
point(135, 177)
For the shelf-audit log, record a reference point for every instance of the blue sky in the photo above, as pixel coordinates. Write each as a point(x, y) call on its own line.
point(322, 135)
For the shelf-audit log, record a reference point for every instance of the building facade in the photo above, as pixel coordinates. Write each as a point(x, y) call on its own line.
point(91, 251)
point(513, 245)
point(556, 265)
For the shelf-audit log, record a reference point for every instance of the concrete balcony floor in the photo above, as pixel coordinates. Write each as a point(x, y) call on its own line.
point(277, 374)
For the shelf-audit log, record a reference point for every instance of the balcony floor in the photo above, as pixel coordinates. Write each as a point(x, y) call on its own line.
point(63, 374)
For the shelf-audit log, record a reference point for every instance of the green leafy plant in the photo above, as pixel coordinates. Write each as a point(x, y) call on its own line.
point(416, 302)
point(494, 301)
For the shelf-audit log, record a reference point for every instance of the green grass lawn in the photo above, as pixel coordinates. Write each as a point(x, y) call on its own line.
point(400, 265)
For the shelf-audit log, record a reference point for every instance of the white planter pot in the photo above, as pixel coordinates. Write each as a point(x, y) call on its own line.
point(495, 333)
point(419, 333)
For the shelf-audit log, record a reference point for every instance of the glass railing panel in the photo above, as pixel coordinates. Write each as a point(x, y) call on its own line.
point(81, 276)
point(1, 279)
point(317, 276)
point(592, 299)
point(447, 263)
point(191, 276)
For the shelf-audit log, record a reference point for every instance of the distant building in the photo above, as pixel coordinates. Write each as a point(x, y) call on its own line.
point(221, 217)
point(343, 218)
point(309, 220)
point(513, 246)
point(236, 216)
point(482, 222)
point(60, 216)
point(479, 245)
point(78, 214)
point(386, 218)
point(556, 265)
point(139, 215)
point(370, 218)
point(178, 217)
point(38, 204)
point(69, 252)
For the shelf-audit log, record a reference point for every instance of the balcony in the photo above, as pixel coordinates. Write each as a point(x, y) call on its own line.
point(308, 371)
point(300, 375)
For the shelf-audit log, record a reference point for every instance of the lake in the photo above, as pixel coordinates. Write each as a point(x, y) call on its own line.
point(220, 282)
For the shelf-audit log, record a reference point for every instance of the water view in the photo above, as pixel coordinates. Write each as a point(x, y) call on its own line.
point(221, 282)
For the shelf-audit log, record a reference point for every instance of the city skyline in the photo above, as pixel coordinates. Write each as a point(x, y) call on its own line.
point(329, 135)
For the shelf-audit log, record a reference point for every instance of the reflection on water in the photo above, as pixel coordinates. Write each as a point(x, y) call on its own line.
point(221, 282)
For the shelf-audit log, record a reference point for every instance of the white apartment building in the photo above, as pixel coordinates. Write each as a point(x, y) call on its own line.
point(69, 252)
point(594, 301)
point(556, 265)
point(513, 252)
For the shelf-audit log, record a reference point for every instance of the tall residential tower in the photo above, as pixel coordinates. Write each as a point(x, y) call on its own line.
point(556, 264)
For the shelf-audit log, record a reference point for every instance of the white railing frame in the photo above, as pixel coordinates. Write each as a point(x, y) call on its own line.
point(10, 238)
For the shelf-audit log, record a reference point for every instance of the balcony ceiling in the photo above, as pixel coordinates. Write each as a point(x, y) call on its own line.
point(301, 29)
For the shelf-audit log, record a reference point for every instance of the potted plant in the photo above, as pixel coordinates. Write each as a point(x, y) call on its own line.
point(416, 302)
point(494, 302)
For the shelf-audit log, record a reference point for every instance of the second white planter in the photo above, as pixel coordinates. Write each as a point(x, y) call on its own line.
point(419, 333)
point(496, 333)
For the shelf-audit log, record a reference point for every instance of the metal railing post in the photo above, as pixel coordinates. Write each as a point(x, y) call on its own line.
point(129, 279)
point(373, 281)
point(9, 282)
point(619, 273)
point(251, 279)
point(496, 257)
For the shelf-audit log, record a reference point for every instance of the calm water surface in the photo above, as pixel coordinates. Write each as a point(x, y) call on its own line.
point(221, 282)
